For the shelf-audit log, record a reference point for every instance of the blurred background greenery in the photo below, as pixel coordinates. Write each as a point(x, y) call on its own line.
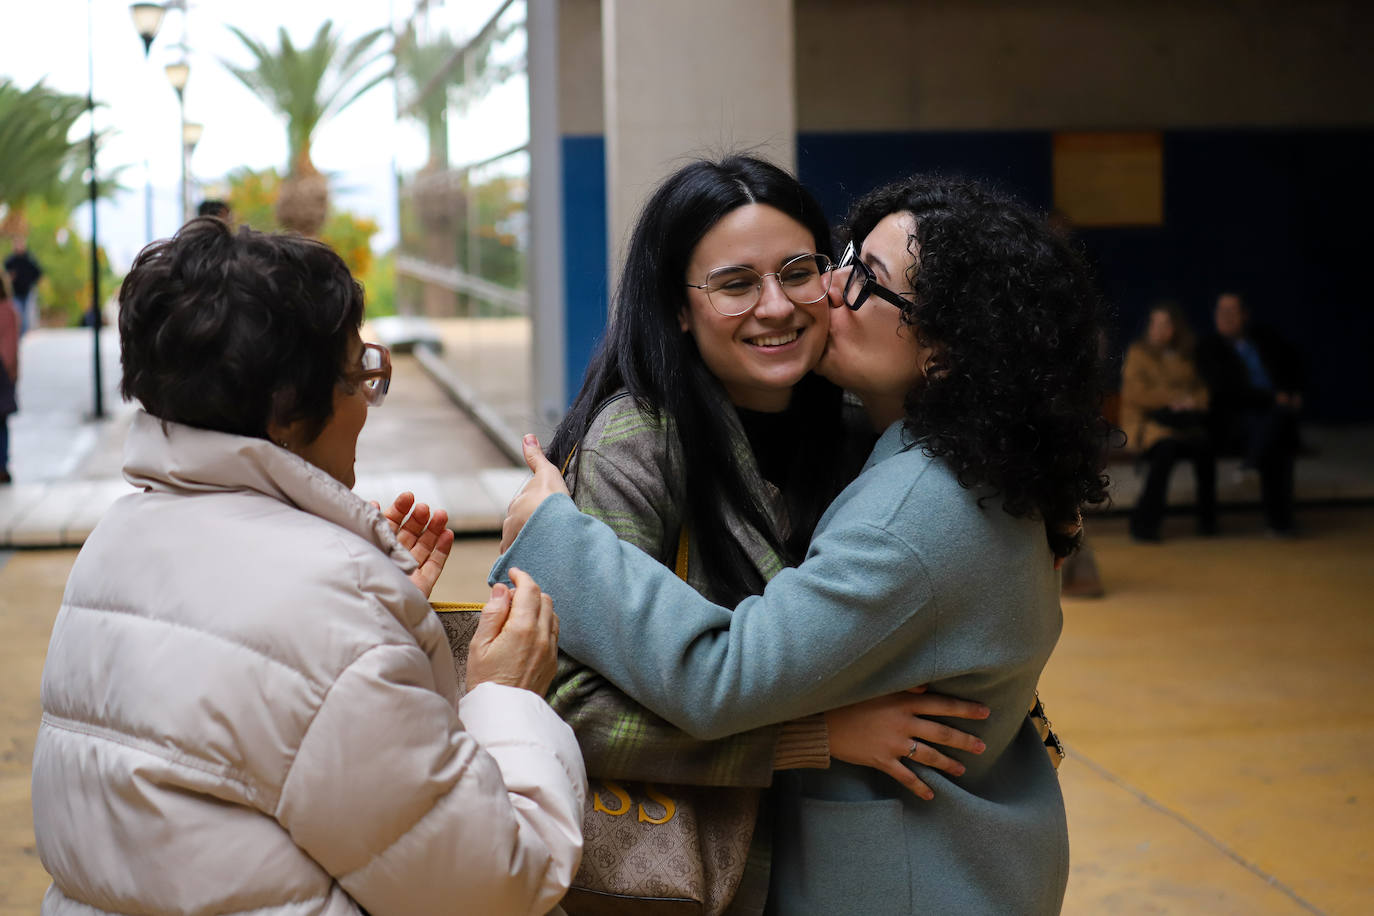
point(43, 179)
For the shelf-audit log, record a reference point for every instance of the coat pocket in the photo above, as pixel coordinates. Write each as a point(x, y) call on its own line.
point(842, 857)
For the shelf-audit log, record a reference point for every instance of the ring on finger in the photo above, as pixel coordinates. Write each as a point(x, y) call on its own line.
point(911, 754)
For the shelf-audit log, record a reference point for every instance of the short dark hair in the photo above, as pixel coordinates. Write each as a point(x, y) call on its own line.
point(212, 207)
point(1013, 402)
point(232, 331)
point(646, 352)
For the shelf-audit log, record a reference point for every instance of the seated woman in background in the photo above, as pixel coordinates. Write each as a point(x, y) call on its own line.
point(248, 704)
point(1164, 415)
point(970, 334)
point(702, 436)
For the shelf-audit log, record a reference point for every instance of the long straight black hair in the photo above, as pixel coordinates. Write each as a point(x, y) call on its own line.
point(646, 352)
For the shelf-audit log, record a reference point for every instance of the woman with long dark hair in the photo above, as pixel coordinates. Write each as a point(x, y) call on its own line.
point(702, 437)
point(653, 352)
point(970, 334)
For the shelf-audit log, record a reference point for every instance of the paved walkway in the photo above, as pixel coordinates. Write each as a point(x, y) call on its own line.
point(66, 466)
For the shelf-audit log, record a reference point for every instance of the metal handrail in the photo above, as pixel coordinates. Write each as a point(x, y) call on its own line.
point(458, 281)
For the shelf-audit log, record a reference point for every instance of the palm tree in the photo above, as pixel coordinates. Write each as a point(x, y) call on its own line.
point(308, 86)
point(427, 72)
point(39, 162)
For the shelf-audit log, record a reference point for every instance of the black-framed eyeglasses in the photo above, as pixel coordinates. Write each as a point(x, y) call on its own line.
point(733, 291)
point(863, 283)
point(373, 374)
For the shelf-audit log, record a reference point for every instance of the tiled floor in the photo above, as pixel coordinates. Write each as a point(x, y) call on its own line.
point(1215, 704)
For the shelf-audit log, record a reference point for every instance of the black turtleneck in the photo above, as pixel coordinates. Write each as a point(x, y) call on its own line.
point(774, 439)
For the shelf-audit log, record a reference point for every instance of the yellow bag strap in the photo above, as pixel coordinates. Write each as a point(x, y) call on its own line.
point(680, 566)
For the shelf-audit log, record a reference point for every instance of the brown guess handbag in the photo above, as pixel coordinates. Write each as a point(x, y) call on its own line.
point(649, 850)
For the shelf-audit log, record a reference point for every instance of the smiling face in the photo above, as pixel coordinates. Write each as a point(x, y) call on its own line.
point(761, 355)
point(871, 351)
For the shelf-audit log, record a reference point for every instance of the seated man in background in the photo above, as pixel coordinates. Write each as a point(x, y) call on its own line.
point(1255, 379)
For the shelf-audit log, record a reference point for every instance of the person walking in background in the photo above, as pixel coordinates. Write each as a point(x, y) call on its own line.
point(1256, 380)
point(9, 372)
point(24, 273)
point(248, 704)
point(1163, 412)
point(216, 208)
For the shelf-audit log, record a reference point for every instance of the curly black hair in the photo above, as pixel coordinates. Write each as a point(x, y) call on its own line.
point(1013, 399)
point(230, 331)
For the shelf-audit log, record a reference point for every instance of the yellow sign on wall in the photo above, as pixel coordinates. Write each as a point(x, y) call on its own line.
point(1110, 179)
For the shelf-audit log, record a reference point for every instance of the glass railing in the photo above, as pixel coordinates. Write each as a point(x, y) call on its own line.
point(464, 177)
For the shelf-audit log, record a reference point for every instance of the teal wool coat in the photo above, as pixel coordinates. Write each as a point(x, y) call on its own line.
point(907, 581)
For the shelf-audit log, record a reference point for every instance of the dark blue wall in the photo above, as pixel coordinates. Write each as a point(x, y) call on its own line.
point(584, 252)
point(1280, 215)
point(839, 167)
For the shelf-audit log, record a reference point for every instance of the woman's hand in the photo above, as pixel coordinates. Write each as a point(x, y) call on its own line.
point(880, 732)
point(425, 534)
point(516, 642)
point(546, 482)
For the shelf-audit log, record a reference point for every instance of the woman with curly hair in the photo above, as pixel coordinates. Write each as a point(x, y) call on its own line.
point(970, 333)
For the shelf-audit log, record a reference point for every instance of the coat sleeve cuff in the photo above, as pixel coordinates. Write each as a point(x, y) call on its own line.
point(509, 722)
point(803, 744)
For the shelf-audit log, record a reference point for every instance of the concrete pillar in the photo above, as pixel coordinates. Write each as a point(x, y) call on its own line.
point(691, 79)
point(545, 273)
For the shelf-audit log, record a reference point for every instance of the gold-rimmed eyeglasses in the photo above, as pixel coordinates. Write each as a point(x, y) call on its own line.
point(733, 291)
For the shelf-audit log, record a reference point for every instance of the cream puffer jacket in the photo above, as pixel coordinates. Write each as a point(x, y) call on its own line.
point(248, 707)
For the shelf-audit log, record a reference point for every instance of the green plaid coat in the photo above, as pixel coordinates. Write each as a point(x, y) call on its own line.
point(628, 473)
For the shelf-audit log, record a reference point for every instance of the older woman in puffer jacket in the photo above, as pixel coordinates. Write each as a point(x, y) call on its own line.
point(248, 704)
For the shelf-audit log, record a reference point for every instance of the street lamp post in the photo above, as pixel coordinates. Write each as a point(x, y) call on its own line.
point(190, 136)
point(147, 20)
point(178, 74)
point(98, 411)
